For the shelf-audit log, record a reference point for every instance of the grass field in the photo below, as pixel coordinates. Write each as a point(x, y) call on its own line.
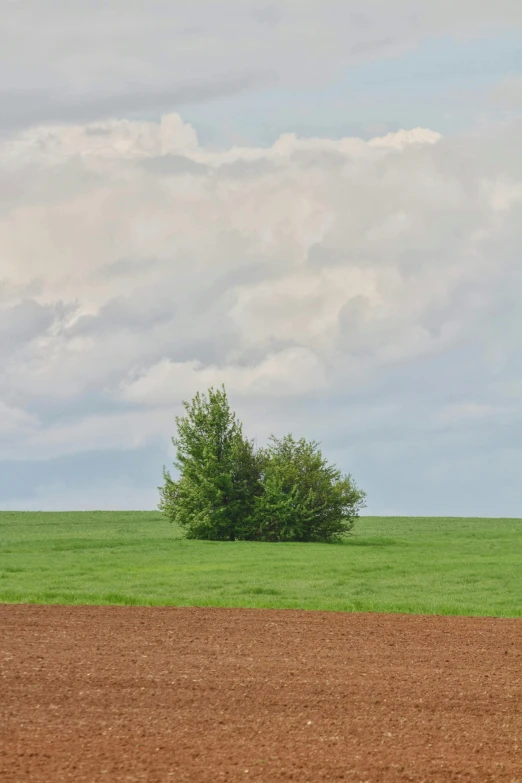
point(390, 564)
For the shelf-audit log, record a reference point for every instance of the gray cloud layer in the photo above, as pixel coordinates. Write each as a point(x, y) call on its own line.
point(75, 61)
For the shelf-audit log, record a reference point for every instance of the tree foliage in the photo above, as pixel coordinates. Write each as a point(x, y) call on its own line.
point(227, 490)
point(218, 467)
point(304, 498)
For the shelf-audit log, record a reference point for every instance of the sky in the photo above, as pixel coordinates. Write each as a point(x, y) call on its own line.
point(317, 203)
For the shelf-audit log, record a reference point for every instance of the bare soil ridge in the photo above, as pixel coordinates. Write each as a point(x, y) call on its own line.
point(203, 695)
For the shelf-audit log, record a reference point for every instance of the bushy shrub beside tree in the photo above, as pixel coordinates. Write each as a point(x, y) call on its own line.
point(228, 490)
point(304, 498)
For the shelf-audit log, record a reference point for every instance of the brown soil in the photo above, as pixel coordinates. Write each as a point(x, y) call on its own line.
point(164, 694)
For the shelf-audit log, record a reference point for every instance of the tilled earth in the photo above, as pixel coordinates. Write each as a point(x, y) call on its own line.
point(174, 694)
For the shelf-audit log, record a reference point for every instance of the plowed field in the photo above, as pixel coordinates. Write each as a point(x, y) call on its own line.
point(94, 694)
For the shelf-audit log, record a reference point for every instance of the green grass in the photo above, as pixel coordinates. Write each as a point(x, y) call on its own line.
point(390, 564)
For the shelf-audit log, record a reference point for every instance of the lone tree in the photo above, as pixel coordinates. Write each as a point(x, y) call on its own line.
point(219, 471)
point(227, 490)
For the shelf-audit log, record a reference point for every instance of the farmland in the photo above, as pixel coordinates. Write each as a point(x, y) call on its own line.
point(198, 695)
point(413, 565)
point(190, 690)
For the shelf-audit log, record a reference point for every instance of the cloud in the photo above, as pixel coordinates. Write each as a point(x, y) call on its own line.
point(14, 421)
point(294, 371)
point(23, 321)
point(22, 108)
point(365, 293)
point(26, 437)
point(155, 57)
point(404, 138)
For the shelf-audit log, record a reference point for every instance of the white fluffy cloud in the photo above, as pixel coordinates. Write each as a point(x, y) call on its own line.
point(138, 266)
point(292, 371)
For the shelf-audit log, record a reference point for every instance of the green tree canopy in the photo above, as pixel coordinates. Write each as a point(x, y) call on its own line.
point(218, 471)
